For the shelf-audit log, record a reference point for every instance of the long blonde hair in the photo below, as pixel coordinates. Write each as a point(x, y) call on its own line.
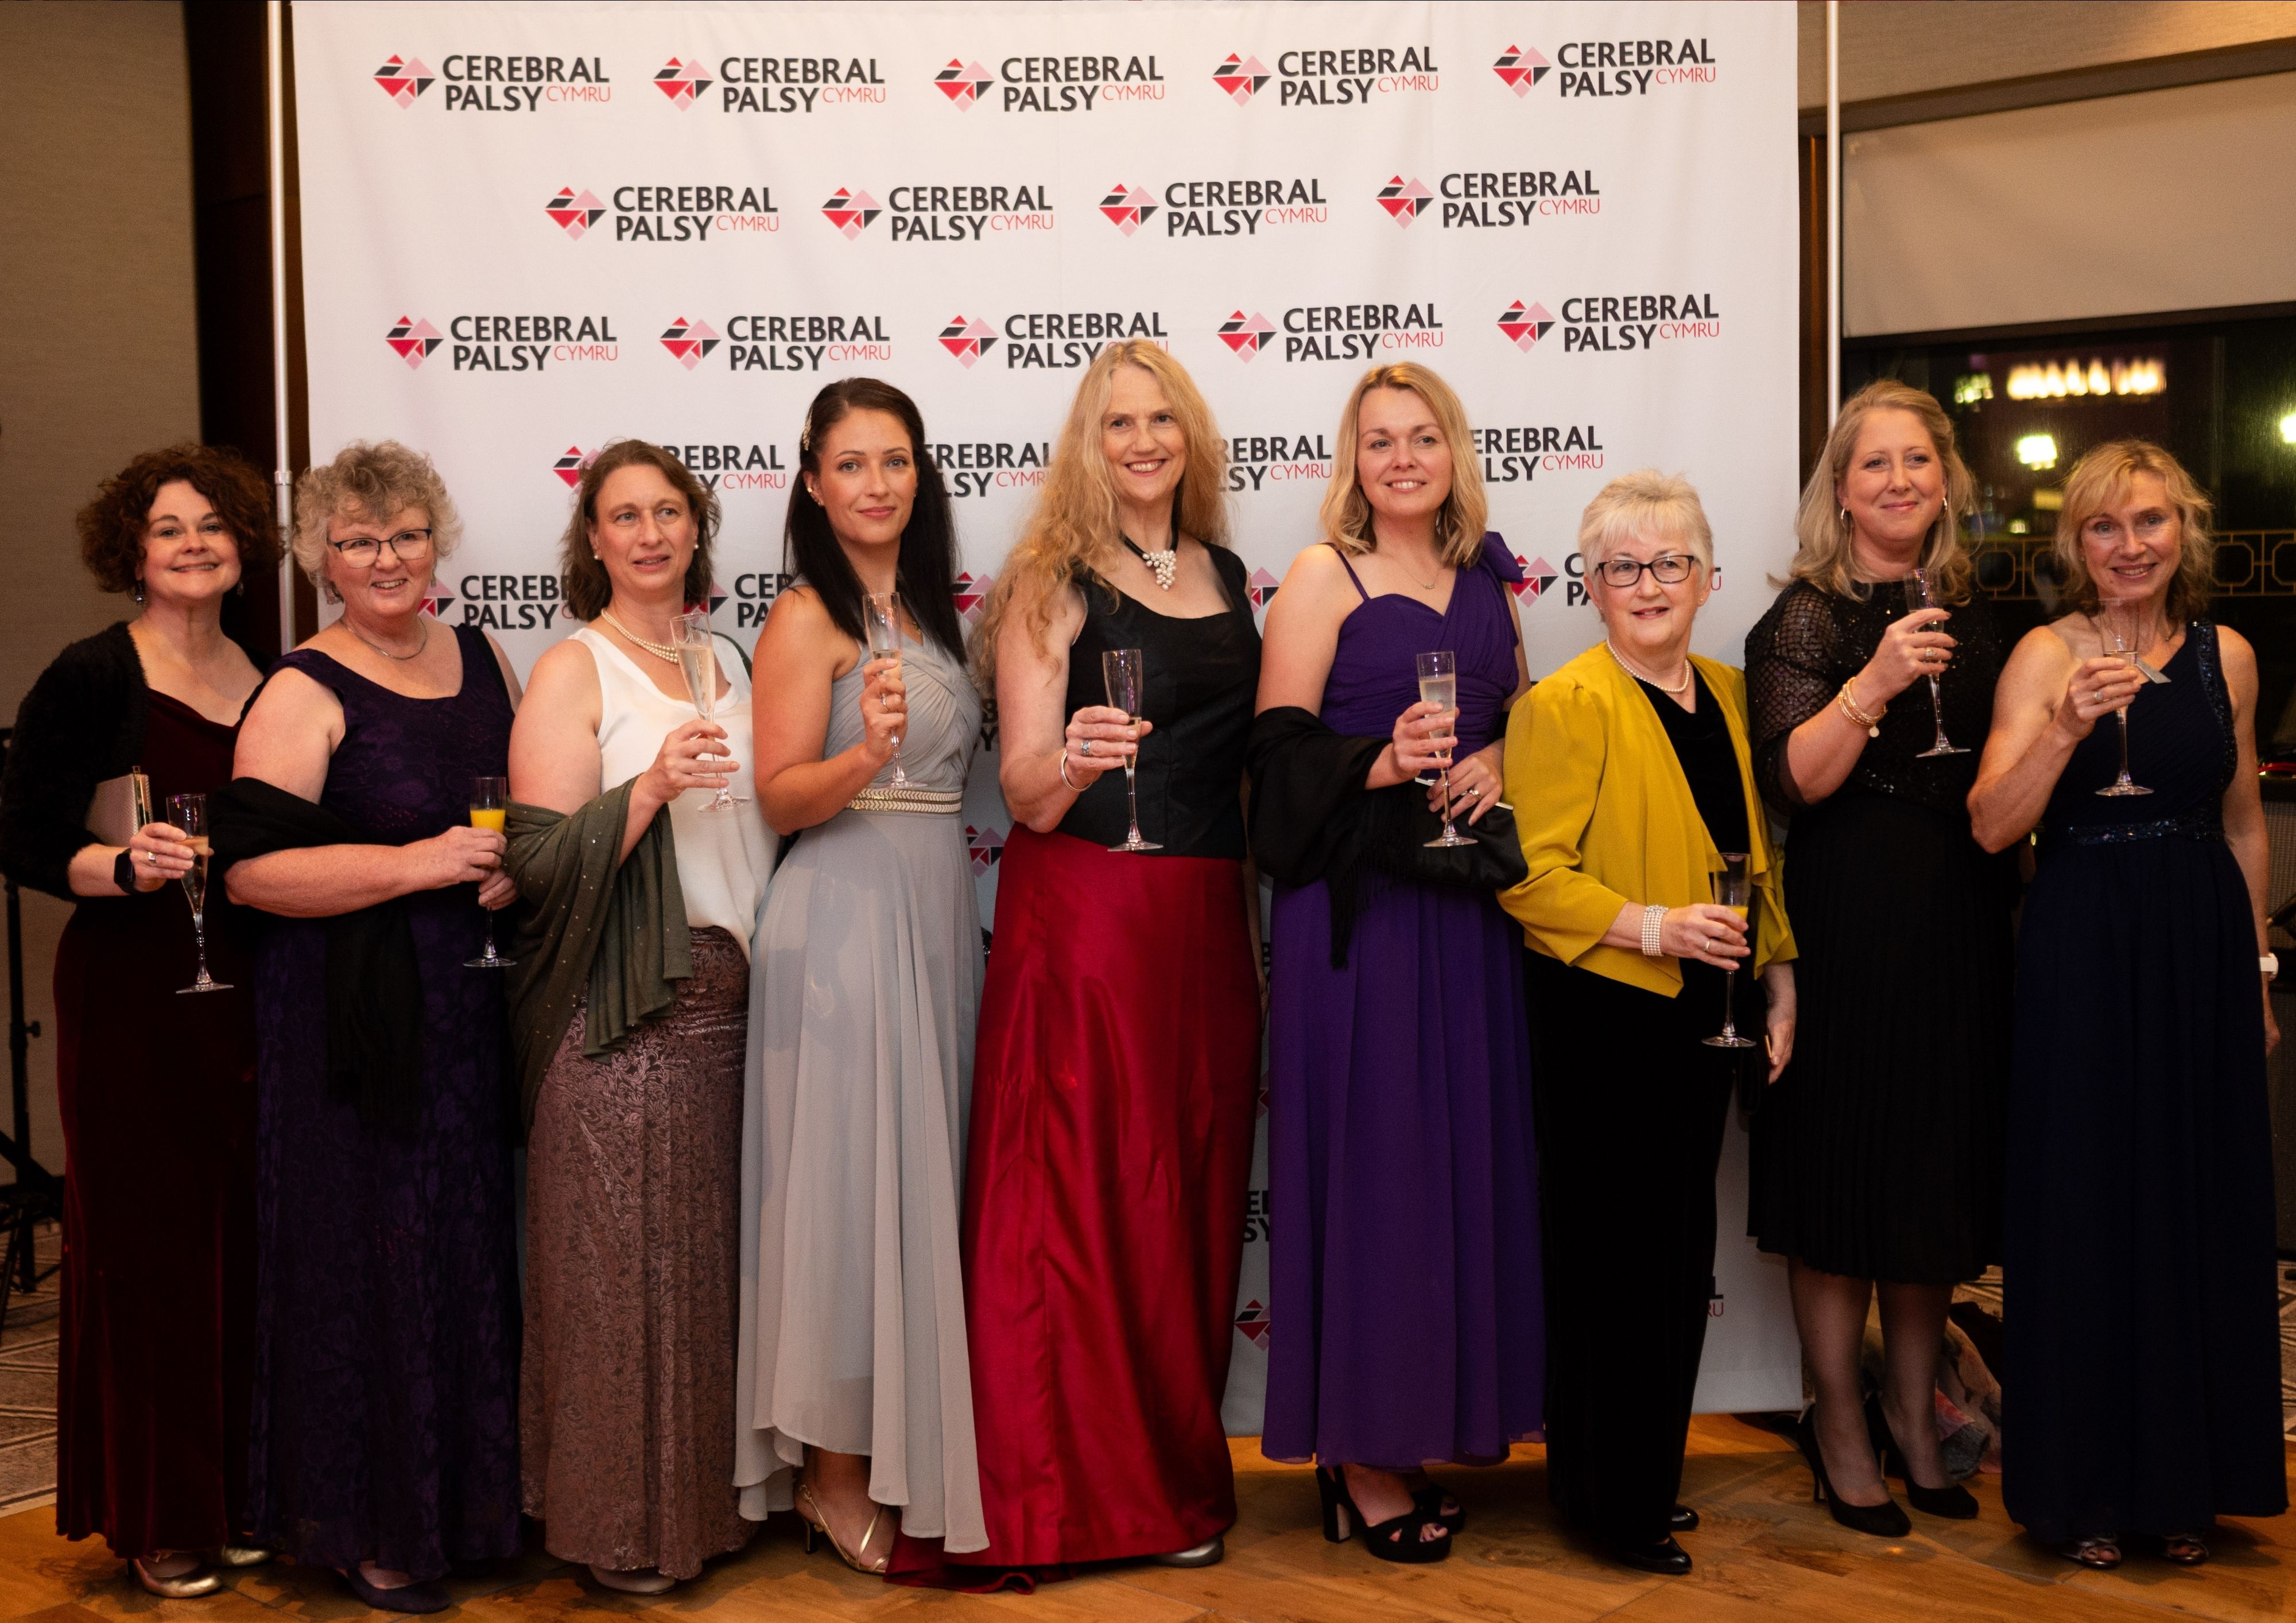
point(1073, 530)
point(1827, 537)
point(1346, 512)
point(2103, 477)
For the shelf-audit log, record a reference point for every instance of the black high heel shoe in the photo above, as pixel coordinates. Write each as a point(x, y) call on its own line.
point(1399, 1538)
point(1430, 1501)
point(1887, 1520)
point(1953, 1502)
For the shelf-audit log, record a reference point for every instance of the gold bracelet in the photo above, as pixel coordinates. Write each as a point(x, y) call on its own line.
point(1847, 700)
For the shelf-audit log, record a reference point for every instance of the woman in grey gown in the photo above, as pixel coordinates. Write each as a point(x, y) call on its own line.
point(853, 1396)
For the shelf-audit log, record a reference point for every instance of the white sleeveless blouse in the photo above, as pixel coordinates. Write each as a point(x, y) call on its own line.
point(724, 857)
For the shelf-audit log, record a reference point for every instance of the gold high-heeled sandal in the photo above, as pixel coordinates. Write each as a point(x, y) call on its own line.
point(817, 1522)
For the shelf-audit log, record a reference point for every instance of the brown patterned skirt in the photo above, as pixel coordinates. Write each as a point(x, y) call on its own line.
point(634, 1183)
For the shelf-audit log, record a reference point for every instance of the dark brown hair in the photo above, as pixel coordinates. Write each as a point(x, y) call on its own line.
point(582, 576)
point(111, 526)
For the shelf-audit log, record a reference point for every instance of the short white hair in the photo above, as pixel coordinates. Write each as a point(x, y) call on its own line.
point(1639, 503)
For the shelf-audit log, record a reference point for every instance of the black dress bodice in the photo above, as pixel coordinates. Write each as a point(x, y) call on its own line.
point(2181, 747)
point(1200, 677)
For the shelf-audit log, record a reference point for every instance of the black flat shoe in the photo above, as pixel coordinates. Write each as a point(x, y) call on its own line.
point(1887, 1520)
point(1953, 1502)
point(1682, 1518)
point(428, 1596)
point(1666, 1558)
point(1399, 1538)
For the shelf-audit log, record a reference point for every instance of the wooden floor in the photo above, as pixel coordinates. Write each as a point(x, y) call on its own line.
point(1765, 1553)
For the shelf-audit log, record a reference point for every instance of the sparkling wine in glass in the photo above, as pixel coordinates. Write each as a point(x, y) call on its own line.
point(1439, 684)
point(697, 662)
point(1733, 889)
point(1921, 594)
point(489, 808)
point(882, 615)
point(189, 813)
point(2118, 633)
point(1123, 670)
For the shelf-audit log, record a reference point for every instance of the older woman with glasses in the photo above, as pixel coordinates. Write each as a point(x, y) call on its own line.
point(385, 1425)
point(1630, 777)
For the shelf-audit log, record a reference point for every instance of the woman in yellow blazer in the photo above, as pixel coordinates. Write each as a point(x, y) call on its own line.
point(1629, 774)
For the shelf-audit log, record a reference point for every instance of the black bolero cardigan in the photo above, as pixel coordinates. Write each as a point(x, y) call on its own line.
point(83, 722)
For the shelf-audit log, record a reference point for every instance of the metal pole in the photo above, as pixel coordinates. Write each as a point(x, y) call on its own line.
point(281, 479)
point(1833, 210)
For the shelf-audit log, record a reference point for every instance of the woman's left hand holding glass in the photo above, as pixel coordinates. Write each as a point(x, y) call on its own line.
point(1475, 784)
point(160, 854)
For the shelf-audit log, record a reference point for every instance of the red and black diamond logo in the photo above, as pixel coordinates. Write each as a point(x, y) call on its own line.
point(689, 341)
point(1537, 575)
point(851, 211)
point(1253, 1322)
point(402, 79)
point(434, 600)
point(569, 466)
point(1128, 208)
point(413, 340)
point(1240, 79)
point(1523, 328)
point(962, 82)
point(1243, 334)
point(968, 338)
point(1403, 200)
point(1259, 587)
point(575, 213)
point(971, 594)
point(682, 82)
point(986, 845)
point(1518, 69)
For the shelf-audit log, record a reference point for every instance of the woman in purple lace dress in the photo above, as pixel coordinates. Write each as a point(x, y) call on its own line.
point(1406, 1269)
point(385, 1436)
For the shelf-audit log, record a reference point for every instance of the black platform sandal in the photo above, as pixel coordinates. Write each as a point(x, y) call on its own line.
point(1399, 1538)
point(1953, 1502)
point(1429, 1500)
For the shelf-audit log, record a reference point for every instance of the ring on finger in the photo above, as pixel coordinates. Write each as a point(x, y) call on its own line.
point(1087, 746)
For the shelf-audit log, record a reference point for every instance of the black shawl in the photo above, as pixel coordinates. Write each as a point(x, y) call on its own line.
point(373, 987)
point(83, 722)
point(1309, 808)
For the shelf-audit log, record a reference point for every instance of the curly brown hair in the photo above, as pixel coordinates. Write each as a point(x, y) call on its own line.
point(111, 526)
point(581, 576)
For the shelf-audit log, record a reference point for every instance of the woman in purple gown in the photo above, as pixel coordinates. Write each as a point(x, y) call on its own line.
point(1405, 1251)
point(385, 1434)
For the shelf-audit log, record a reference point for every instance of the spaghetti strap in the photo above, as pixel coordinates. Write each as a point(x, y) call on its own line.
point(1340, 553)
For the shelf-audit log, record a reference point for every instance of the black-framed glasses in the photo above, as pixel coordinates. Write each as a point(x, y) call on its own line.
point(408, 546)
point(1670, 569)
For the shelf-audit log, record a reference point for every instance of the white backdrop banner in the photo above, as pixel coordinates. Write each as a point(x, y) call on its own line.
point(528, 229)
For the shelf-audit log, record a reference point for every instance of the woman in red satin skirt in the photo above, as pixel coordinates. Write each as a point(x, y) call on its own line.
point(1117, 1073)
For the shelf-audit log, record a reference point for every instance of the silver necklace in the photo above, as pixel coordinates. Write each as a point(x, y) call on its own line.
point(1680, 687)
point(386, 652)
point(660, 650)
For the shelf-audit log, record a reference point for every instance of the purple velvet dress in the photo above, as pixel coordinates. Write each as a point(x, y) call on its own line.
point(1406, 1323)
point(385, 1423)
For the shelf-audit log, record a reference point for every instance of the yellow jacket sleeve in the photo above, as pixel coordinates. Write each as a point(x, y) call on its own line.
point(1556, 743)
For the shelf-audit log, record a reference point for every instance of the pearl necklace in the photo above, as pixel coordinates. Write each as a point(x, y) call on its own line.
point(1688, 672)
point(1161, 565)
point(660, 650)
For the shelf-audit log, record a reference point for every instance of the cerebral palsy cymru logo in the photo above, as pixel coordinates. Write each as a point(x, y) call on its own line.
point(1252, 1322)
point(1518, 69)
point(575, 213)
point(689, 340)
point(968, 338)
point(986, 845)
point(1240, 79)
point(1404, 199)
point(1243, 334)
point(568, 465)
point(403, 78)
point(682, 82)
point(850, 212)
point(972, 595)
point(1525, 327)
point(1259, 587)
point(1128, 208)
point(414, 340)
point(962, 82)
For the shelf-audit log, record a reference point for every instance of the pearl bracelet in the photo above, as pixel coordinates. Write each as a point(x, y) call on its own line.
point(1653, 919)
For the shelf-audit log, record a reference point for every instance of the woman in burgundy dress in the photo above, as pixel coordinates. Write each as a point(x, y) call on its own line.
point(157, 1092)
point(1114, 1082)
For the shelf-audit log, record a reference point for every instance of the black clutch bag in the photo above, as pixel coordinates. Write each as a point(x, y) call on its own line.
point(1401, 823)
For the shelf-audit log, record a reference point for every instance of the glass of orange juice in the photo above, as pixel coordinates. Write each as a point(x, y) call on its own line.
point(489, 808)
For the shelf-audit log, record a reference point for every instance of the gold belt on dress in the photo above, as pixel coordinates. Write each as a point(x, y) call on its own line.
point(932, 802)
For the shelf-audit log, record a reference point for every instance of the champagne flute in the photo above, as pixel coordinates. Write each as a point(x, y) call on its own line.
point(1439, 684)
point(1731, 889)
point(189, 813)
point(1921, 594)
point(2120, 638)
point(697, 662)
point(882, 615)
point(1121, 669)
point(489, 808)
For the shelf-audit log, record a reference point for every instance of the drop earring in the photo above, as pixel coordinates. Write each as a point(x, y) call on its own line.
point(139, 591)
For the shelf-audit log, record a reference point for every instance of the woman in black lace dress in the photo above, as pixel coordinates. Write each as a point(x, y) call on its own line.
point(1877, 1155)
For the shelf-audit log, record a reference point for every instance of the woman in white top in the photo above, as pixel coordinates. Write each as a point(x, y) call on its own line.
point(633, 1141)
